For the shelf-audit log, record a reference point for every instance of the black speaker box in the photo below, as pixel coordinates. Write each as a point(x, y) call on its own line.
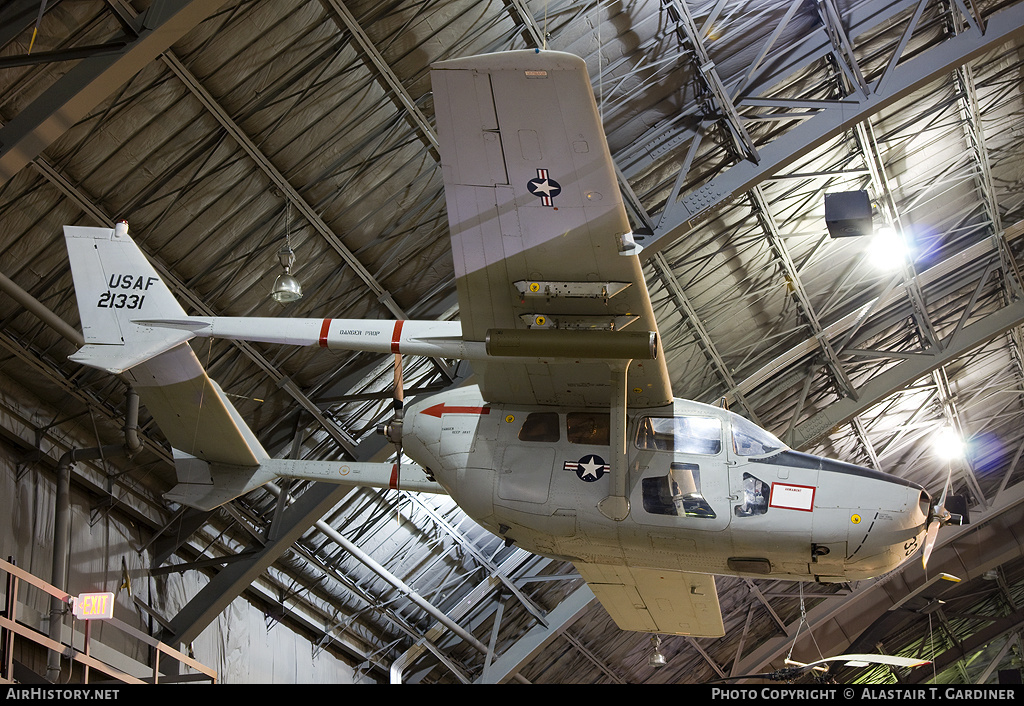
point(848, 214)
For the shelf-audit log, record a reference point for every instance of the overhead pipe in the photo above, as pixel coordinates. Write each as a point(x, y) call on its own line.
point(36, 307)
point(62, 516)
point(62, 499)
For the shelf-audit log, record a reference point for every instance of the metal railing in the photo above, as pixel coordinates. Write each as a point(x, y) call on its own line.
point(9, 628)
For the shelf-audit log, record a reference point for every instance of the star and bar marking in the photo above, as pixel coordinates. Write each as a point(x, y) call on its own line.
point(588, 469)
point(544, 187)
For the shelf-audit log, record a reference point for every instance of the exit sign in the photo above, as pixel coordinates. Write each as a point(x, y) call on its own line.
point(94, 606)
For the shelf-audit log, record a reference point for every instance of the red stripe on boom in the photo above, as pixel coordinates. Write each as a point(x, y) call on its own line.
point(323, 332)
point(396, 336)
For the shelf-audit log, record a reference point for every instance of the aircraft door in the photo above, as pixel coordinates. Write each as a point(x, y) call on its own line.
point(684, 478)
point(528, 459)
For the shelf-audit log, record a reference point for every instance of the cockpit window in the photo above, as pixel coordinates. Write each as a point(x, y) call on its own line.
point(748, 439)
point(677, 493)
point(689, 435)
point(753, 497)
point(540, 426)
point(592, 428)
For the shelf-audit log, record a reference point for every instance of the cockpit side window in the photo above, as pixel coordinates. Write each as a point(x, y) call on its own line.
point(686, 434)
point(592, 428)
point(753, 498)
point(540, 426)
point(677, 493)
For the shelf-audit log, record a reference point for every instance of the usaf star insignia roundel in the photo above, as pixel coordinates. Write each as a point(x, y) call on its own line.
point(587, 469)
point(547, 189)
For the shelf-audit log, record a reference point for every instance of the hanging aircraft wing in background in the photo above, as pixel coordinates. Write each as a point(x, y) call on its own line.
point(544, 259)
point(655, 601)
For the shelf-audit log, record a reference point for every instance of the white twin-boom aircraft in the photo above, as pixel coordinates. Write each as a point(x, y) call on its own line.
point(570, 444)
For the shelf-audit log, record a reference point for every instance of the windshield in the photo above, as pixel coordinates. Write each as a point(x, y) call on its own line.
point(748, 439)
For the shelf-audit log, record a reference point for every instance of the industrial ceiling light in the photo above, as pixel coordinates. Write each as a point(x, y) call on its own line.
point(286, 287)
point(656, 659)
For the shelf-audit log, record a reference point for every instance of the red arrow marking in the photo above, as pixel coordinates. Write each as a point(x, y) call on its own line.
point(438, 409)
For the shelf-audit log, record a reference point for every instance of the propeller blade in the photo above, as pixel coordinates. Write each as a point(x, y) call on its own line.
point(35, 29)
point(945, 488)
point(399, 395)
point(393, 430)
point(929, 541)
point(398, 405)
point(860, 660)
point(939, 516)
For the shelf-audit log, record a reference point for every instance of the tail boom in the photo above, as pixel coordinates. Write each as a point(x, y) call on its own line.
point(206, 486)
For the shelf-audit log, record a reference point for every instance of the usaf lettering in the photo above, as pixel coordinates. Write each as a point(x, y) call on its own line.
point(123, 300)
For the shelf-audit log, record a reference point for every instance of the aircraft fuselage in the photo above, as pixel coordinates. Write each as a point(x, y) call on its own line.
point(708, 491)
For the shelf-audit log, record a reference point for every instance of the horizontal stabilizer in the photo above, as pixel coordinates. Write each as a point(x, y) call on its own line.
point(115, 285)
point(656, 601)
point(133, 326)
point(205, 486)
point(117, 358)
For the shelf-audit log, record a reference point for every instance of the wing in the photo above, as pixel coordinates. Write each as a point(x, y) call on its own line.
point(648, 600)
point(540, 237)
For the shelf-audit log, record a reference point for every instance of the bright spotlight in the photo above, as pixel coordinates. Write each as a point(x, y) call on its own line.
point(948, 444)
point(887, 250)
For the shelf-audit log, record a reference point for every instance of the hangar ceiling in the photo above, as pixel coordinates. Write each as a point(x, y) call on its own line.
point(219, 128)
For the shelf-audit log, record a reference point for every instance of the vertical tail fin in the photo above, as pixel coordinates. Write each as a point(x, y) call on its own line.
point(115, 284)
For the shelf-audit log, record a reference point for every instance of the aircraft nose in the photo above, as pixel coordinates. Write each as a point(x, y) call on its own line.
point(892, 529)
point(869, 521)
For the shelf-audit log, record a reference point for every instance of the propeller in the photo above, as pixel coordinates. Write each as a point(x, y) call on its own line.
point(35, 29)
point(392, 430)
point(795, 670)
point(940, 515)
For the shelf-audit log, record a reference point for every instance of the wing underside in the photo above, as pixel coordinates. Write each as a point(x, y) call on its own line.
point(540, 237)
point(655, 601)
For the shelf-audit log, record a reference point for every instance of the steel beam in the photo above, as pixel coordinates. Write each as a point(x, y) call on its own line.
point(689, 314)
point(88, 83)
point(530, 644)
point(387, 76)
point(907, 371)
point(688, 213)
